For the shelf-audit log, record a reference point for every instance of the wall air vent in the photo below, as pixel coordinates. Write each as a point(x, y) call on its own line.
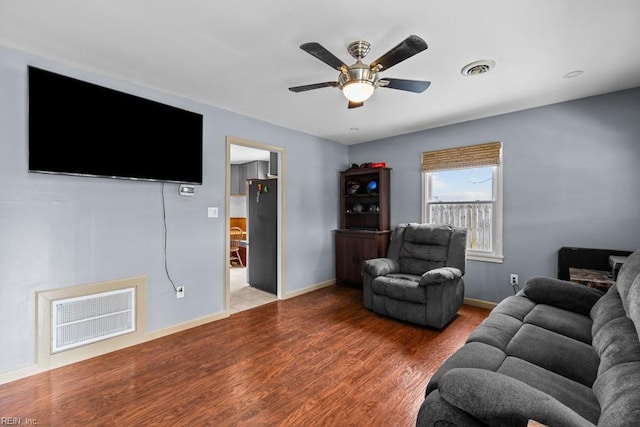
point(89, 318)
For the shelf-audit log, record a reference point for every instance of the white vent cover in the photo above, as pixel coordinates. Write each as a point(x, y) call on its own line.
point(478, 67)
point(86, 319)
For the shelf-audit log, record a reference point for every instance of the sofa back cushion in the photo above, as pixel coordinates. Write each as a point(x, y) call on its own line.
point(606, 309)
point(627, 284)
point(428, 246)
point(616, 342)
point(633, 304)
point(617, 394)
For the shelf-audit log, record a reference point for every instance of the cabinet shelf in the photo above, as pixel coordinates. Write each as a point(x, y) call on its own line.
point(362, 213)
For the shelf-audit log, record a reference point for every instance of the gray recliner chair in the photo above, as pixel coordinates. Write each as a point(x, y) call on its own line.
point(420, 281)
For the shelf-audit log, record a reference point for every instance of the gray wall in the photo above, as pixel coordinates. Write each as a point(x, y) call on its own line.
point(571, 178)
point(59, 231)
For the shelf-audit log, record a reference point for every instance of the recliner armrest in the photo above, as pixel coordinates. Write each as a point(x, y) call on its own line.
point(562, 294)
point(440, 275)
point(380, 266)
point(497, 399)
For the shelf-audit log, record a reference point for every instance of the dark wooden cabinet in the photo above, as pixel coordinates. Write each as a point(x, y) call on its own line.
point(353, 247)
point(364, 221)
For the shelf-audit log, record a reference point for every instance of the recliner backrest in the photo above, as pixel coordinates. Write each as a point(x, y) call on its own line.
point(423, 247)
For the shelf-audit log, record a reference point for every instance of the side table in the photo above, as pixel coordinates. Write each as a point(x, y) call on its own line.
point(598, 279)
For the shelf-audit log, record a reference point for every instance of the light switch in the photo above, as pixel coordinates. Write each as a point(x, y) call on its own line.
point(212, 212)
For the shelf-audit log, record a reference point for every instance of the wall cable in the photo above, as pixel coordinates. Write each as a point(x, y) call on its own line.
point(164, 221)
point(515, 288)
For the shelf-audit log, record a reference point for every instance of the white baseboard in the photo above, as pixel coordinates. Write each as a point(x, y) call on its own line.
point(7, 377)
point(480, 303)
point(311, 288)
point(184, 326)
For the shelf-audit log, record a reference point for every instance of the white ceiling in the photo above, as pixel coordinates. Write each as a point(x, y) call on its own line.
point(243, 55)
point(240, 154)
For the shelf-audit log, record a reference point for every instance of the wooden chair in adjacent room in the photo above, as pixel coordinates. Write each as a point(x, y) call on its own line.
point(236, 236)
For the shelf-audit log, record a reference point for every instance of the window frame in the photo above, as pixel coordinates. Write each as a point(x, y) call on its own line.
point(496, 255)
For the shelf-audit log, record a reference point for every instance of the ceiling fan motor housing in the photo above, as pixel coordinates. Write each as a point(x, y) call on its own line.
point(358, 72)
point(359, 49)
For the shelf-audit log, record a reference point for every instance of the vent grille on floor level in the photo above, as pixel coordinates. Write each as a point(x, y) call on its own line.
point(86, 319)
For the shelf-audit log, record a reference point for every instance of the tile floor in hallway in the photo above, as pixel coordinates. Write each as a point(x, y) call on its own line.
point(244, 296)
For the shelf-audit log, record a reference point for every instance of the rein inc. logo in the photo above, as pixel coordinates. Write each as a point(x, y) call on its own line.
point(18, 421)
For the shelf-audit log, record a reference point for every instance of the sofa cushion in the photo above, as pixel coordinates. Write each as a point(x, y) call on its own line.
point(440, 275)
point(562, 294)
point(496, 330)
point(617, 392)
point(626, 276)
point(471, 355)
point(418, 258)
point(500, 400)
point(616, 343)
point(567, 323)
point(515, 306)
point(425, 247)
point(577, 396)
point(607, 308)
point(380, 266)
point(428, 234)
point(563, 355)
point(633, 304)
point(434, 410)
point(404, 287)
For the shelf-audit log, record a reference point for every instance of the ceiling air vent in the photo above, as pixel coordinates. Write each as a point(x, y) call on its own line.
point(478, 67)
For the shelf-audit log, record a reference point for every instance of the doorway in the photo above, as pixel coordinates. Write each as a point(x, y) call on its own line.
point(255, 176)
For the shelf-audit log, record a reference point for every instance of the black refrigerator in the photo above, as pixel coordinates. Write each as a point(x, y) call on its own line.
point(262, 206)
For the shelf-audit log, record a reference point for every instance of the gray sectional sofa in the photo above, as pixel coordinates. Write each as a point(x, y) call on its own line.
point(560, 353)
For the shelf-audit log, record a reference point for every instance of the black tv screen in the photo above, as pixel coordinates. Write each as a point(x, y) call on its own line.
point(80, 128)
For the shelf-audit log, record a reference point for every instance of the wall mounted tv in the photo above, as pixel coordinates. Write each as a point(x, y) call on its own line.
point(79, 128)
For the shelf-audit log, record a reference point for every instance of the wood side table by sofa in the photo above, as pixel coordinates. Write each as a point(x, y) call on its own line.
point(598, 279)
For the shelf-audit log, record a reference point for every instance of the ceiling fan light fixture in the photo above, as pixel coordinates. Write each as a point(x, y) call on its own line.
point(358, 82)
point(358, 91)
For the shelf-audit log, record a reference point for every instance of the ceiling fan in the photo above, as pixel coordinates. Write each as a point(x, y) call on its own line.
point(359, 81)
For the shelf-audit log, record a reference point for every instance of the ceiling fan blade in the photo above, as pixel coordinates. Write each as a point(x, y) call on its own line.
point(406, 49)
point(353, 104)
point(417, 86)
point(313, 86)
point(317, 50)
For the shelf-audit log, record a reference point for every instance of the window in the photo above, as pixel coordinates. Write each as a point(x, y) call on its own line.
point(463, 187)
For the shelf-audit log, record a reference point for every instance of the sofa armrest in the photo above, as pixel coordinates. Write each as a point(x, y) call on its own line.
point(562, 294)
point(380, 266)
point(440, 275)
point(497, 399)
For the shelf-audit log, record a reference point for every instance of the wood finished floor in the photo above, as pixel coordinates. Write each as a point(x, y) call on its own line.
point(319, 359)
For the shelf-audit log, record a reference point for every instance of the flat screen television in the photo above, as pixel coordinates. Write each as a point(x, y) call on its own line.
point(79, 128)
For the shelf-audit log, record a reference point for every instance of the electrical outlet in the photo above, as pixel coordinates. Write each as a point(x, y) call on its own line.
point(514, 279)
point(180, 292)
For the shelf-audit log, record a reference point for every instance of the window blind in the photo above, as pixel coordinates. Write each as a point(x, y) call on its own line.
point(471, 156)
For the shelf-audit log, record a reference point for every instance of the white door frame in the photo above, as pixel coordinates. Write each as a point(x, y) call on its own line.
point(231, 140)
